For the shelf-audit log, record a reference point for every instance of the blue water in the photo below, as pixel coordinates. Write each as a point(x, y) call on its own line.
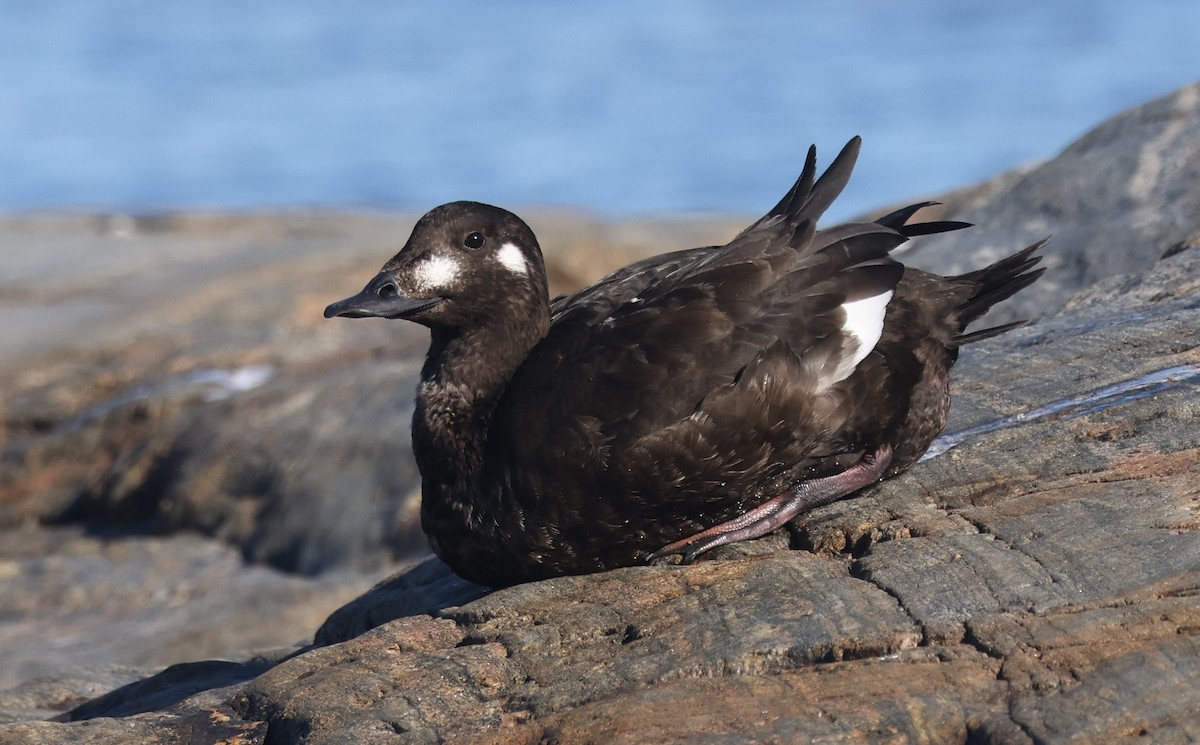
point(620, 107)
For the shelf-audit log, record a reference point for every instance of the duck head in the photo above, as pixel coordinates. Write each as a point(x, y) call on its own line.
point(465, 265)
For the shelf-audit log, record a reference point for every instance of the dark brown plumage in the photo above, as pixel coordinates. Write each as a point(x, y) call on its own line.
point(685, 401)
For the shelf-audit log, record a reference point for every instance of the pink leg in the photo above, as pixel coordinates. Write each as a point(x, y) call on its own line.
point(777, 511)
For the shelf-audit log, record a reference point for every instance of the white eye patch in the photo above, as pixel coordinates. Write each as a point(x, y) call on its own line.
point(435, 273)
point(512, 259)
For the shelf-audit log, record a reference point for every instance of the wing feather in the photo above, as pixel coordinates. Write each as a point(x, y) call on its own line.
point(754, 340)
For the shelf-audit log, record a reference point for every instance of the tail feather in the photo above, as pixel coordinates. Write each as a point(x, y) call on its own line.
point(810, 196)
point(895, 220)
point(898, 221)
point(929, 228)
point(995, 283)
point(988, 333)
point(790, 203)
point(830, 184)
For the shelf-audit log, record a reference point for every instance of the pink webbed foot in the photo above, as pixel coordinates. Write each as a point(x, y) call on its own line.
point(777, 511)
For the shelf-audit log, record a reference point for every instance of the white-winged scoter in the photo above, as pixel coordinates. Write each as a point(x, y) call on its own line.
point(683, 402)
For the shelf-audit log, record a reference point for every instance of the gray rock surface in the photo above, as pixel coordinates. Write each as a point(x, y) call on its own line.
point(1036, 580)
point(69, 600)
point(1115, 201)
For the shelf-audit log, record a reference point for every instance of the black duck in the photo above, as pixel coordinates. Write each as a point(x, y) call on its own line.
point(683, 402)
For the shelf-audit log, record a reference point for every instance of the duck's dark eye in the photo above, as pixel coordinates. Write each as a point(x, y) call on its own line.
point(474, 240)
point(386, 291)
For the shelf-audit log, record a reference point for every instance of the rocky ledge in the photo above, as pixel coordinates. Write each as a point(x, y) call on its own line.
point(1035, 579)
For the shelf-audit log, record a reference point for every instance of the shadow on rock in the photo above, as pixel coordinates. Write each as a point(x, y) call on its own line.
point(422, 590)
point(176, 683)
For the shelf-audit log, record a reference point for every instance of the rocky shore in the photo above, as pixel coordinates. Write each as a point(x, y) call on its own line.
point(201, 480)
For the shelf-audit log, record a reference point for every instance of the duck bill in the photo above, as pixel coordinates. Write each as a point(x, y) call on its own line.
point(380, 299)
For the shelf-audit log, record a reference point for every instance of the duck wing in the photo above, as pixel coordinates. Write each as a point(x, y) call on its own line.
point(706, 365)
point(807, 199)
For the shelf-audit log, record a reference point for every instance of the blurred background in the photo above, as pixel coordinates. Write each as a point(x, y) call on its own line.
point(625, 108)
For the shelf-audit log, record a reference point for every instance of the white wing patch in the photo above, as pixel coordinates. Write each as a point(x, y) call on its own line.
point(861, 329)
point(435, 273)
point(512, 259)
